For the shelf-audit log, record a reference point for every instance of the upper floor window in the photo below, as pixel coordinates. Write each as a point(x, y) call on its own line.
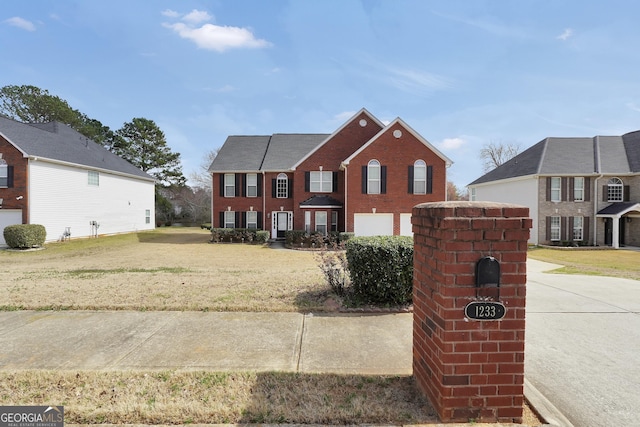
point(282, 186)
point(321, 182)
point(615, 190)
point(419, 177)
point(373, 177)
point(229, 184)
point(556, 183)
point(4, 173)
point(578, 189)
point(473, 196)
point(252, 185)
point(93, 178)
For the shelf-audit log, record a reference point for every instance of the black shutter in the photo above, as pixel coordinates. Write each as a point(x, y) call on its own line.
point(626, 193)
point(334, 182)
point(260, 225)
point(238, 184)
point(564, 228)
point(548, 188)
point(587, 189)
point(605, 195)
point(570, 229)
point(585, 229)
point(307, 181)
point(259, 181)
point(290, 188)
point(548, 229)
point(364, 180)
point(572, 184)
point(410, 179)
point(243, 216)
point(563, 188)
point(273, 188)
point(429, 179)
point(9, 176)
point(383, 180)
point(221, 225)
point(244, 185)
point(238, 220)
point(221, 184)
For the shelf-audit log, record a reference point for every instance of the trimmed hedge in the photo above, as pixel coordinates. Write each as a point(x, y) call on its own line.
point(239, 235)
point(301, 238)
point(381, 268)
point(25, 236)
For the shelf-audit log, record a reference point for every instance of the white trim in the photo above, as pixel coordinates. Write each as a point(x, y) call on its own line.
point(363, 110)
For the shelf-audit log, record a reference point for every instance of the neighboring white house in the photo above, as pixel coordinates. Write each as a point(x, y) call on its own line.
point(579, 191)
point(54, 176)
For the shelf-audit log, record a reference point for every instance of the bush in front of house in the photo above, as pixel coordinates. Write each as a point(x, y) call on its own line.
point(315, 239)
point(238, 235)
point(381, 269)
point(25, 236)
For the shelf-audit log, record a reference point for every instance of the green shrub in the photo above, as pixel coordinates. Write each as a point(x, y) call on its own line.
point(237, 235)
point(344, 236)
point(381, 269)
point(25, 236)
point(262, 236)
point(314, 239)
point(206, 226)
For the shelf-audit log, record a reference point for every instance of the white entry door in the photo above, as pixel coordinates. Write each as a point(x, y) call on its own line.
point(281, 222)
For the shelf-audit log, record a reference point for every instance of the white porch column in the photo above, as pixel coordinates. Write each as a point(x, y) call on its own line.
point(615, 239)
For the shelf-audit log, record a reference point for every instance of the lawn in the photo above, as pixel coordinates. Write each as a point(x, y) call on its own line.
point(605, 262)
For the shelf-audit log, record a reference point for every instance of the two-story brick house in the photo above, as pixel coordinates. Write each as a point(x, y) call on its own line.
point(364, 178)
point(578, 190)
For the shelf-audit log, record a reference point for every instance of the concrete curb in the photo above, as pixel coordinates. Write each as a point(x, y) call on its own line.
point(544, 408)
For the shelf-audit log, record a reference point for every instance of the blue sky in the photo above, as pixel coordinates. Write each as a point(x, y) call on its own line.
point(461, 73)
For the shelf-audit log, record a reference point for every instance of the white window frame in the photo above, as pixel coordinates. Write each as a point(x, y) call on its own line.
point(334, 220)
point(615, 190)
point(578, 190)
point(252, 185)
point(4, 173)
point(578, 228)
point(252, 219)
point(555, 234)
point(321, 181)
point(374, 180)
point(282, 186)
point(556, 188)
point(307, 221)
point(321, 222)
point(93, 178)
point(420, 179)
point(229, 185)
point(229, 219)
point(147, 216)
point(473, 196)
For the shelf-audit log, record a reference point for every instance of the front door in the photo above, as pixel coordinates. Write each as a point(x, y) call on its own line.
point(608, 231)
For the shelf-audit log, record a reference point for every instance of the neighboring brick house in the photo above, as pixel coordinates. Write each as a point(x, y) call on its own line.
point(54, 176)
point(363, 178)
point(579, 190)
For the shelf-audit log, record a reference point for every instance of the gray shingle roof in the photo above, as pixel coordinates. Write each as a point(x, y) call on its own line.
point(278, 152)
point(572, 156)
point(59, 142)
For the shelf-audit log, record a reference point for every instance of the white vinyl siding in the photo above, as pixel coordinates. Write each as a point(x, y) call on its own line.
point(60, 197)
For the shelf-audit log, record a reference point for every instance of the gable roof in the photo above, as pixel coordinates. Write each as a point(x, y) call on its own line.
point(286, 150)
point(58, 142)
point(572, 156)
point(388, 128)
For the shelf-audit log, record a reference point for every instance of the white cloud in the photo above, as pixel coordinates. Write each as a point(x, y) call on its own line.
point(566, 34)
point(210, 36)
point(16, 21)
point(170, 13)
point(452, 143)
point(197, 16)
point(410, 80)
point(344, 116)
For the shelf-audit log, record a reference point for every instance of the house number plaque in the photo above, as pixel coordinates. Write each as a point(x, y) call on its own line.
point(485, 310)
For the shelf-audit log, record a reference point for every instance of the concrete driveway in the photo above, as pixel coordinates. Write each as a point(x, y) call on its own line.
point(583, 345)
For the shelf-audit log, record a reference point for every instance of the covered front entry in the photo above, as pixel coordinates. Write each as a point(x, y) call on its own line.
point(621, 224)
point(281, 222)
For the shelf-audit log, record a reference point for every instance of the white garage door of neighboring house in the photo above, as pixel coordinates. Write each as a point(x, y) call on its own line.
point(378, 224)
point(8, 217)
point(405, 225)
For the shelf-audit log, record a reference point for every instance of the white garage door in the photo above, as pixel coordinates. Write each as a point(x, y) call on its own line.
point(405, 225)
point(378, 224)
point(8, 217)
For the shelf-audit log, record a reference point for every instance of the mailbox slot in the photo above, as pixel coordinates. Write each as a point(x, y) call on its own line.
point(488, 277)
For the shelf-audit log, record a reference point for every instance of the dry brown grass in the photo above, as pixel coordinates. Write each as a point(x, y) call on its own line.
point(167, 269)
point(179, 397)
point(605, 262)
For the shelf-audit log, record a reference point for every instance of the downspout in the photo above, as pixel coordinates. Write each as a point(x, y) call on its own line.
point(595, 209)
point(264, 202)
point(346, 196)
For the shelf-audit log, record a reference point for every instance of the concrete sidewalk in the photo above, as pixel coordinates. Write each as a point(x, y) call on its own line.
point(357, 344)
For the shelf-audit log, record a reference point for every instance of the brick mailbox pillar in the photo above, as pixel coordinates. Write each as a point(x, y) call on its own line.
point(469, 358)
